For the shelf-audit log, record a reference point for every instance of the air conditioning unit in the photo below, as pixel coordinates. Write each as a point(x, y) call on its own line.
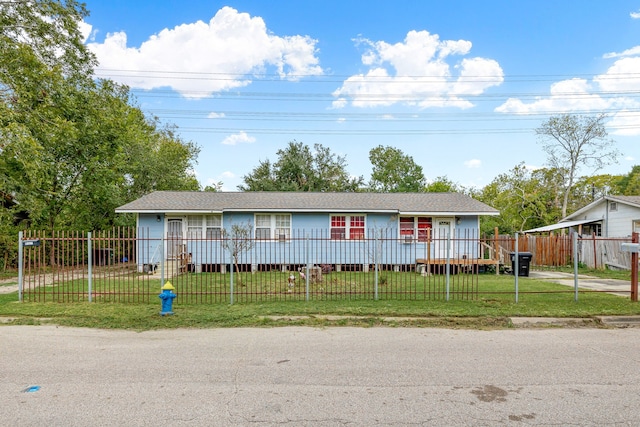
point(408, 240)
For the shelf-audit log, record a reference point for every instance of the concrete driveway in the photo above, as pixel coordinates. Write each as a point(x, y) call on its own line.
point(617, 287)
point(298, 376)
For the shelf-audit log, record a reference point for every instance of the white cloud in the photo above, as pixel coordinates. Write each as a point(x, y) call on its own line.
point(625, 123)
point(630, 159)
point(416, 72)
point(226, 50)
point(341, 120)
point(629, 52)
point(621, 76)
point(605, 93)
point(214, 115)
point(565, 96)
point(238, 138)
point(473, 163)
point(87, 31)
point(532, 167)
point(635, 15)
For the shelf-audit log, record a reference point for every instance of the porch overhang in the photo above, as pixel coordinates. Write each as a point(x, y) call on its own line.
point(560, 225)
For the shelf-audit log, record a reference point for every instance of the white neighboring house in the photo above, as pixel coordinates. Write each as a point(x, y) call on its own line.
point(609, 216)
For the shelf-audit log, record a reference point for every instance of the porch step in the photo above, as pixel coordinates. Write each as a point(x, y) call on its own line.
point(171, 269)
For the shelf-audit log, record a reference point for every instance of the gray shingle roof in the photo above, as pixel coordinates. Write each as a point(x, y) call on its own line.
point(630, 200)
point(196, 201)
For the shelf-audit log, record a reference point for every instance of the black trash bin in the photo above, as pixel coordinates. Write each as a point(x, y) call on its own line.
point(524, 259)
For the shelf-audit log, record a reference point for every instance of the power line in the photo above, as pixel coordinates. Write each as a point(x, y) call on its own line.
point(356, 117)
point(285, 120)
point(369, 132)
point(323, 78)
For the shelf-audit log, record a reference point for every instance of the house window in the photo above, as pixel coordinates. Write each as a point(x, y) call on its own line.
point(338, 227)
point(417, 227)
point(592, 229)
point(213, 226)
point(273, 226)
point(613, 206)
point(347, 227)
point(209, 226)
point(194, 226)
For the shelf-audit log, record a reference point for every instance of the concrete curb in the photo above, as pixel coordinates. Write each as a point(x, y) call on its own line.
point(524, 322)
point(620, 321)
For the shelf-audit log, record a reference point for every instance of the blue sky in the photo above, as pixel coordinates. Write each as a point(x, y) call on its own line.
point(460, 86)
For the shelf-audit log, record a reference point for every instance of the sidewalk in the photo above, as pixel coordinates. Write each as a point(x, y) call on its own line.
point(613, 286)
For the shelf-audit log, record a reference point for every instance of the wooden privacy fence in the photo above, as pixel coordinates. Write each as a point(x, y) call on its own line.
point(557, 250)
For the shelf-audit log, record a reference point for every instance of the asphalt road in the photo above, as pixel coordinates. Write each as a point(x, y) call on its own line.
point(297, 376)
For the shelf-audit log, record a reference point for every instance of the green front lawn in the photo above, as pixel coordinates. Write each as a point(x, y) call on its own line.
point(495, 303)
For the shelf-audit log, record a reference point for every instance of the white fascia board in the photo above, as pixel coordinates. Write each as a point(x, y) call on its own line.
point(447, 213)
point(314, 210)
point(162, 211)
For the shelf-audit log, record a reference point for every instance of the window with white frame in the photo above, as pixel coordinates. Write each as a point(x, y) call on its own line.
point(347, 227)
point(209, 226)
point(273, 226)
point(415, 228)
point(213, 226)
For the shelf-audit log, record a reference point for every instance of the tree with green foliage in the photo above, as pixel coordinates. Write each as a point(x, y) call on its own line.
point(299, 168)
point(629, 184)
point(213, 188)
point(394, 171)
point(590, 188)
point(72, 148)
point(572, 142)
point(442, 184)
point(526, 199)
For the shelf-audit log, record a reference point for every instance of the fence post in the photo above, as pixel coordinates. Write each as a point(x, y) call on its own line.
point(20, 266)
point(634, 270)
point(516, 268)
point(377, 249)
point(306, 276)
point(595, 250)
point(574, 240)
point(162, 243)
point(233, 263)
point(90, 267)
point(448, 265)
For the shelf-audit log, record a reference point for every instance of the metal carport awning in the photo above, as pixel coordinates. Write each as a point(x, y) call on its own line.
point(559, 225)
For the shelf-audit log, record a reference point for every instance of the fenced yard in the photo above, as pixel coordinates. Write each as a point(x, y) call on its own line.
point(108, 267)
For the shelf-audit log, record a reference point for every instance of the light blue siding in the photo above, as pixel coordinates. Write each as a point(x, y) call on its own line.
point(310, 243)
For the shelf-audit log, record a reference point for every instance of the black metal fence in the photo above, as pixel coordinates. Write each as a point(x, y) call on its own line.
point(126, 265)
